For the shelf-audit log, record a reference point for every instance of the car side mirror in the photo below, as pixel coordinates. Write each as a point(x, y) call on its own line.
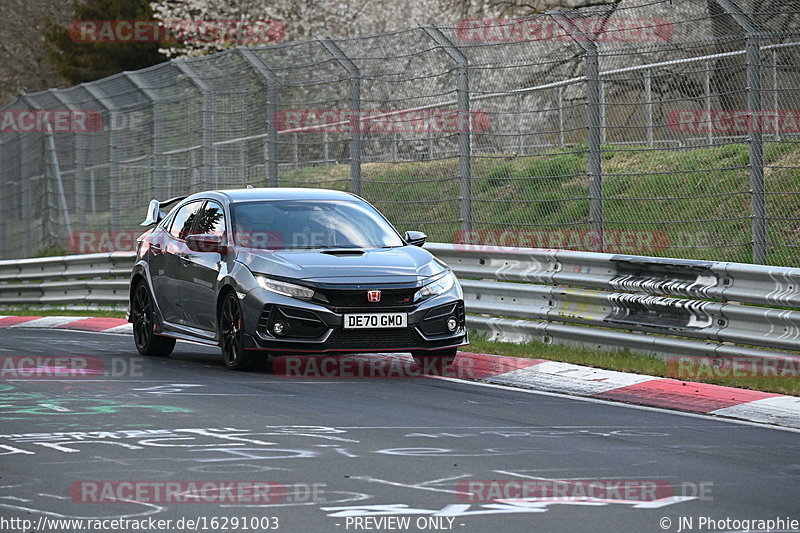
point(204, 242)
point(415, 238)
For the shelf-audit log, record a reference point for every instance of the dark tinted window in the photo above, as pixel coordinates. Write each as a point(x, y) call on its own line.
point(184, 218)
point(298, 224)
point(210, 220)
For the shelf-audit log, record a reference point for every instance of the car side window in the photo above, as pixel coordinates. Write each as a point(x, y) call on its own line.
point(184, 219)
point(210, 220)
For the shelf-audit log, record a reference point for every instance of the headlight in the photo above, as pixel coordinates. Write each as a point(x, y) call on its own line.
point(439, 285)
point(286, 289)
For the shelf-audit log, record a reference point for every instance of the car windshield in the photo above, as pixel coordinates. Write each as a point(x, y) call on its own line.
point(311, 224)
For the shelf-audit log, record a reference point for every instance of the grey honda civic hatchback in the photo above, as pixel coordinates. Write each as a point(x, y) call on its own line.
point(280, 271)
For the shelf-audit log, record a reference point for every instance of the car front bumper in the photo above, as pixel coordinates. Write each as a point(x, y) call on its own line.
point(316, 328)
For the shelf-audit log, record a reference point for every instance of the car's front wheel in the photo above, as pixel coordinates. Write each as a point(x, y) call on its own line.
point(435, 360)
point(142, 317)
point(231, 333)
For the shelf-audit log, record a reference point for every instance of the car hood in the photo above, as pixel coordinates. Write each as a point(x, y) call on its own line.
point(405, 264)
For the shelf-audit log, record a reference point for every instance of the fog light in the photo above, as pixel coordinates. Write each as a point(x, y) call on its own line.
point(280, 328)
point(452, 323)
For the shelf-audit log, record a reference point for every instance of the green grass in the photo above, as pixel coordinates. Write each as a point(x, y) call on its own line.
point(696, 198)
point(627, 361)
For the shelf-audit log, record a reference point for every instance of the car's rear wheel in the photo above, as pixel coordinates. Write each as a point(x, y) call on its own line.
point(435, 360)
point(142, 317)
point(231, 332)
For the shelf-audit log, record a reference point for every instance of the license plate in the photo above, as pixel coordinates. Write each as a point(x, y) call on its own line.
point(376, 321)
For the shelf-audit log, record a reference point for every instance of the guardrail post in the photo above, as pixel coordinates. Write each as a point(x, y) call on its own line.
point(464, 121)
point(594, 121)
point(259, 66)
point(209, 173)
point(758, 208)
point(355, 111)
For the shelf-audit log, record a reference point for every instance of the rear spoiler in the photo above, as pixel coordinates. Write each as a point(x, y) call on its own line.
point(154, 213)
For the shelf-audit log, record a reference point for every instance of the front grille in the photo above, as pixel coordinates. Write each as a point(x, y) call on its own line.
point(387, 338)
point(358, 298)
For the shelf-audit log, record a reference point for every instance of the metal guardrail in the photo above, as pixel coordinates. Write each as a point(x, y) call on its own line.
point(653, 304)
point(657, 305)
point(75, 280)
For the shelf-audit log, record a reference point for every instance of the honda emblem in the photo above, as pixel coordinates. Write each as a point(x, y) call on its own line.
point(374, 296)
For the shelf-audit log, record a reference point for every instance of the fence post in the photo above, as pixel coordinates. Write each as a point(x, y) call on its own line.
point(113, 155)
point(258, 64)
point(775, 91)
point(519, 125)
point(243, 161)
point(48, 237)
point(465, 122)
point(430, 142)
point(601, 89)
point(648, 92)
point(355, 111)
point(560, 100)
point(158, 179)
point(594, 121)
point(758, 205)
point(5, 200)
point(707, 92)
point(79, 176)
point(27, 158)
point(210, 179)
point(56, 169)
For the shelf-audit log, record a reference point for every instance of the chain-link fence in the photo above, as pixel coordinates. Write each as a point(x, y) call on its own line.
point(650, 127)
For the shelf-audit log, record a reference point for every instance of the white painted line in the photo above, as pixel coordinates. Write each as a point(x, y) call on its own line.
point(783, 410)
point(564, 380)
point(708, 417)
point(568, 378)
point(123, 329)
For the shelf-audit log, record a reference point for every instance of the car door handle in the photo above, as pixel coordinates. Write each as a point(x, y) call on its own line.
point(156, 248)
point(186, 259)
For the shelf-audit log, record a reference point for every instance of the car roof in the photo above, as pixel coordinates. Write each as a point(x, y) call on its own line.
point(275, 193)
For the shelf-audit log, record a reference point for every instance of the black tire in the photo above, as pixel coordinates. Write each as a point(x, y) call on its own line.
point(231, 340)
point(142, 317)
point(435, 361)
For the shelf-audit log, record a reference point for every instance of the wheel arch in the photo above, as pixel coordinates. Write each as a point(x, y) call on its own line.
point(226, 289)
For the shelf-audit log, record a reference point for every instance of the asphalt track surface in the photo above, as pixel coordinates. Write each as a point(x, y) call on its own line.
point(369, 448)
